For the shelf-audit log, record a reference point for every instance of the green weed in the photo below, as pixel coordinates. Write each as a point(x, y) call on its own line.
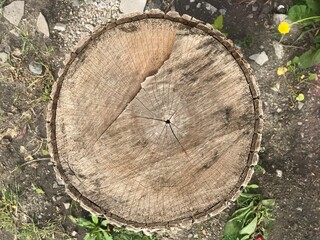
point(218, 24)
point(297, 80)
point(101, 230)
point(2, 3)
point(252, 218)
point(306, 14)
point(14, 220)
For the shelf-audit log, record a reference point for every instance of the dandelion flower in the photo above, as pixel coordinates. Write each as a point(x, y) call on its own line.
point(284, 28)
point(282, 71)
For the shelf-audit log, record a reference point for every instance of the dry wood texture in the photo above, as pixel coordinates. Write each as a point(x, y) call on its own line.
point(155, 121)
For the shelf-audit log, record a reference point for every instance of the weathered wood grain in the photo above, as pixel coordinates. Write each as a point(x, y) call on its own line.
point(155, 121)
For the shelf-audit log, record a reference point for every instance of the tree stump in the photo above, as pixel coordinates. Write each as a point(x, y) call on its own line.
point(155, 121)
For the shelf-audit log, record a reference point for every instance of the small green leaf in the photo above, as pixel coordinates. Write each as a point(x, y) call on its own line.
point(106, 235)
point(104, 223)
point(95, 219)
point(298, 12)
point(82, 222)
point(246, 237)
point(269, 203)
point(231, 230)
point(259, 169)
point(218, 23)
point(37, 189)
point(252, 186)
point(240, 211)
point(300, 97)
point(250, 228)
point(87, 237)
point(249, 195)
point(312, 76)
point(314, 5)
point(289, 63)
point(310, 58)
point(45, 152)
point(295, 59)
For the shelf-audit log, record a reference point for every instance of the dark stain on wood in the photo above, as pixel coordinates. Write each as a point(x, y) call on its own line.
point(219, 74)
point(203, 67)
point(128, 29)
point(228, 111)
point(209, 164)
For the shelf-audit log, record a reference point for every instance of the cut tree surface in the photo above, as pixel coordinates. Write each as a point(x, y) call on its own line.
point(155, 121)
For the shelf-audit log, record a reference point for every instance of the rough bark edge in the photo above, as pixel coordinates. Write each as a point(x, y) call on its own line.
point(253, 157)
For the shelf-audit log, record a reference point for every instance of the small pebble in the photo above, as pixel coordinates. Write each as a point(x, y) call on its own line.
point(223, 11)
point(250, 15)
point(42, 25)
point(299, 123)
point(60, 27)
point(198, 5)
point(60, 181)
point(300, 105)
point(278, 49)
point(259, 58)
point(254, 8)
point(211, 8)
point(55, 185)
point(3, 57)
point(279, 110)
point(279, 173)
point(74, 233)
point(35, 68)
point(66, 205)
point(278, 18)
point(299, 209)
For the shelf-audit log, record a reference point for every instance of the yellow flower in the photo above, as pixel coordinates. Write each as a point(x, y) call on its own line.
point(300, 97)
point(282, 71)
point(284, 28)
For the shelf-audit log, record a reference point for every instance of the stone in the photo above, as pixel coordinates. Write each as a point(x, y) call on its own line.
point(129, 6)
point(66, 205)
point(223, 11)
point(211, 8)
point(89, 27)
point(279, 18)
point(60, 27)
point(300, 105)
point(259, 58)
point(14, 12)
point(279, 173)
point(14, 32)
point(35, 68)
point(42, 25)
point(3, 57)
point(278, 49)
point(299, 209)
point(250, 15)
point(74, 233)
point(254, 8)
point(198, 5)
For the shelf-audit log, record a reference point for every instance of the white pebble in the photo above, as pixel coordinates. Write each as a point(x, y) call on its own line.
point(279, 173)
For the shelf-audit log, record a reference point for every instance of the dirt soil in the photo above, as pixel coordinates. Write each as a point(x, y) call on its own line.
point(291, 149)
